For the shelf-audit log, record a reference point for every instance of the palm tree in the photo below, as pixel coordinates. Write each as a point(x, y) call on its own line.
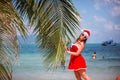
point(53, 21)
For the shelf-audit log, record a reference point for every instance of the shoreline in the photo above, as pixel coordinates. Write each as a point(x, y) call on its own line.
point(62, 75)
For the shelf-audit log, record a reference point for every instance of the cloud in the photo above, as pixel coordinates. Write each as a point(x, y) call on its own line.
point(117, 27)
point(109, 26)
point(114, 6)
point(115, 11)
point(115, 2)
point(97, 6)
point(112, 26)
point(107, 1)
point(99, 19)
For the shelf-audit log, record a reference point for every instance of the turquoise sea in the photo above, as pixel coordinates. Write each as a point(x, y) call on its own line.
point(31, 67)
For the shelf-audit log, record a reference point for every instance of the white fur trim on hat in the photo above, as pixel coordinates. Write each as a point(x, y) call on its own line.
point(86, 34)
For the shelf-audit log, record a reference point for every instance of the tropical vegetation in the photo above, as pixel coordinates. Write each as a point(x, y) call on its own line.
point(52, 21)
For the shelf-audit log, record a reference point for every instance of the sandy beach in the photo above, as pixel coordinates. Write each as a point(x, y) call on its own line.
point(63, 75)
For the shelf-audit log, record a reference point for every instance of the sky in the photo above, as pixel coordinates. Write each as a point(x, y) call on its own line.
point(101, 17)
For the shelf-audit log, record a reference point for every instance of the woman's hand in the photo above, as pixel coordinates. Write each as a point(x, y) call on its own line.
point(65, 46)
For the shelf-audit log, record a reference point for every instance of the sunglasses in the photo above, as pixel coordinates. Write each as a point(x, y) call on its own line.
point(82, 34)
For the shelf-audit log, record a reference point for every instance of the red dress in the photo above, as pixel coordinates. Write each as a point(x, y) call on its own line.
point(76, 62)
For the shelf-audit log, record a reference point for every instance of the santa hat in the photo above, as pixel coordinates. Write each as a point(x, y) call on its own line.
point(86, 32)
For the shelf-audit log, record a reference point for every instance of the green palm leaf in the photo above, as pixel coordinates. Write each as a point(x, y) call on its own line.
point(54, 21)
point(4, 74)
point(10, 22)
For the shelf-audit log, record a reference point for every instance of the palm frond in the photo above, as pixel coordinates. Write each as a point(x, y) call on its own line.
point(10, 22)
point(54, 21)
point(5, 75)
point(25, 8)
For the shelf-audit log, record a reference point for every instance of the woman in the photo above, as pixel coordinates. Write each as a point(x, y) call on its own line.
point(77, 62)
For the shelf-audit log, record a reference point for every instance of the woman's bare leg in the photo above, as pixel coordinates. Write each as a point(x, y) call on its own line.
point(83, 74)
point(77, 75)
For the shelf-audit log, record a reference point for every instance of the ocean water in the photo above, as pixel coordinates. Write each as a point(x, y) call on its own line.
point(31, 67)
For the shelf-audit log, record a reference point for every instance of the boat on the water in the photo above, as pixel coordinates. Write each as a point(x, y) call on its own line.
point(109, 42)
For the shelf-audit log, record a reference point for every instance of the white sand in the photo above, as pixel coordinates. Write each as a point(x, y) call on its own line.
point(61, 75)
